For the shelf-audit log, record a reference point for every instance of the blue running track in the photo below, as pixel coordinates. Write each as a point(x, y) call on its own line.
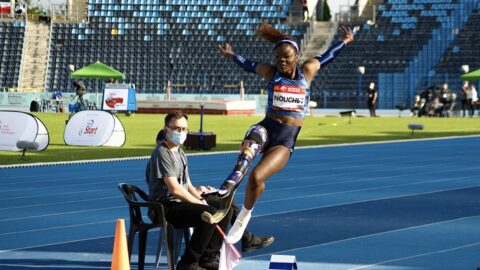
point(394, 206)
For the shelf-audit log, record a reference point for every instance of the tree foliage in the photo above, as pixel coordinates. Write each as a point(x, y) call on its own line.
point(326, 11)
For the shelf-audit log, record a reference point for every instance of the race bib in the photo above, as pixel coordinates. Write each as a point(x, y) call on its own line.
point(288, 98)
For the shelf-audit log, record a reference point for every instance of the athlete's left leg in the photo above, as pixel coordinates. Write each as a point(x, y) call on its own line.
point(273, 160)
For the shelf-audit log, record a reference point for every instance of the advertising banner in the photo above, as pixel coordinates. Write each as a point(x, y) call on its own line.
point(94, 128)
point(43, 139)
point(20, 126)
point(119, 97)
point(5, 7)
point(115, 97)
point(118, 135)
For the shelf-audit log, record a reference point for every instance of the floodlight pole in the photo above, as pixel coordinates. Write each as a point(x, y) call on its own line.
point(169, 90)
point(361, 71)
point(242, 91)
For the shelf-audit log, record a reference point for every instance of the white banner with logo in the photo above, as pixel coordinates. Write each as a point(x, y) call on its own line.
point(20, 126)
point(94, 128)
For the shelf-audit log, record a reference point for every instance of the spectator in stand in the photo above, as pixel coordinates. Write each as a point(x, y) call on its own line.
point(20, 10)
point(44, 16)
point(306, 14)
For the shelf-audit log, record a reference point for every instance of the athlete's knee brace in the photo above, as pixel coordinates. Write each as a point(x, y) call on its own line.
point(253, 144)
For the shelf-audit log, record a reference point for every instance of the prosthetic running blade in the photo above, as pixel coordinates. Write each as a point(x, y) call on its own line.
point(221, 212)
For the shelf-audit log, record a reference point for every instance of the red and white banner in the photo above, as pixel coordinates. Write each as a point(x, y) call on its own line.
point(5, 7)
point(94, 128)
point(115, 97)
point(20, 126)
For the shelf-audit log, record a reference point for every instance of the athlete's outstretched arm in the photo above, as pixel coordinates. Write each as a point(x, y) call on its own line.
point(313, 65)
point(263, 69)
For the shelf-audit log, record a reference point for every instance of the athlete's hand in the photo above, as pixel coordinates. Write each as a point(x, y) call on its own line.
point(227, 51)
point(347, 34)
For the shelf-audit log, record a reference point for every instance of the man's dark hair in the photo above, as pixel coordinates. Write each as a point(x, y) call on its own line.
point(176, 115)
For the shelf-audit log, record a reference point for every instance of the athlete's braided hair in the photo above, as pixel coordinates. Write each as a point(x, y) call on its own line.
point(269, 33)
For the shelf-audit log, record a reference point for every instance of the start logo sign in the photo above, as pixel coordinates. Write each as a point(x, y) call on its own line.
point(90, 129)
point(94, 128)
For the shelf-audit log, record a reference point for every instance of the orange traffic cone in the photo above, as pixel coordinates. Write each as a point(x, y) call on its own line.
point(120, 259)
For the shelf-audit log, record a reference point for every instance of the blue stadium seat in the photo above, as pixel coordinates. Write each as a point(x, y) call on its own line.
point(164, 25)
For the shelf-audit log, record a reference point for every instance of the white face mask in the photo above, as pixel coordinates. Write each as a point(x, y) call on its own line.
point(372, 85)
point(178, 138)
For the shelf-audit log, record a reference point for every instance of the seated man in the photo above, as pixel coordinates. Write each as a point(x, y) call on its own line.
point(250, 242)
point(169, 183)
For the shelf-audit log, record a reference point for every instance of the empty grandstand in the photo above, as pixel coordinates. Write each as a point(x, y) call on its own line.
point(154, 41)
point(11, 48)
point(400, 50)
point(405, 45)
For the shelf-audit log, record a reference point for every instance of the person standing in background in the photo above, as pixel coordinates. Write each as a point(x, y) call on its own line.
point(472, 98)
point(372, 95)
point(306, 14)
point(463, 98)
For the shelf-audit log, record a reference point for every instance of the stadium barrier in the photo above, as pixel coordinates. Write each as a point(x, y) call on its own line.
point(225, 107)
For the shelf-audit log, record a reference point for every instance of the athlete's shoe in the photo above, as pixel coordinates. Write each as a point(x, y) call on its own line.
point(238, 228)
point(222, 211)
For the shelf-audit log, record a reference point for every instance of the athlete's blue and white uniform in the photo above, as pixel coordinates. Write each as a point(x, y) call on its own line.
point(286, 97)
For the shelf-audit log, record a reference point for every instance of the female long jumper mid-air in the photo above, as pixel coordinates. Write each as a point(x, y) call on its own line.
point(276, 134)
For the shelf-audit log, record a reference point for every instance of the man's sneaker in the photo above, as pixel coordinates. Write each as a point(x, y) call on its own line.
point(256, 242)
point(188, 266)
point(210, 261)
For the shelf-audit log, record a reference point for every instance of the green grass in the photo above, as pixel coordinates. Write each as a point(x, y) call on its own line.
point(141, 130)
